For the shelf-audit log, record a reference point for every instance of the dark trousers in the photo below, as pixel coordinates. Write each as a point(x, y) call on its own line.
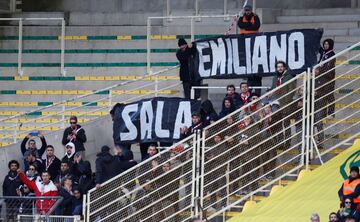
point(187, 89)
point(255, 81)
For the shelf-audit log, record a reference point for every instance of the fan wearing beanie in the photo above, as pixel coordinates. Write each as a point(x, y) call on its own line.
point(185, 54)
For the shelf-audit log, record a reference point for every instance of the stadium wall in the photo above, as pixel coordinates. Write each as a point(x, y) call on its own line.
point(159, 6)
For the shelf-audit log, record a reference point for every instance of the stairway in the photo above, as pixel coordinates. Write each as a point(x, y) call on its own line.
point(315, 192)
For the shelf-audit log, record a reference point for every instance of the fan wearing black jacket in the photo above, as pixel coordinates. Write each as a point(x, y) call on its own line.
point(326, 52)
point(185, 55)
point(32, 145)
point(10, 185)
point(81, 169)
point(108, 166)
point(75, 134)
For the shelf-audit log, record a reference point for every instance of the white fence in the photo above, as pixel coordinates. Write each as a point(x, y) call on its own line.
point(239, 155)
point(335, 103)
point(20, 40)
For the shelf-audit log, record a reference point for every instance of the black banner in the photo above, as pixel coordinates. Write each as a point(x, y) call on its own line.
point(151, 120)
point(238, 56)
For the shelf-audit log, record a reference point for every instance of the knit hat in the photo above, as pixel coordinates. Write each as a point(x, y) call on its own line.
point(105, 149)
point(248, 8)
point(181, 42)
point(354, 168)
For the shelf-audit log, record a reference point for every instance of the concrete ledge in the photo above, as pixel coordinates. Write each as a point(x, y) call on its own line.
point(320, 11)
point(34, 15)
point(319, 18)
point(105, 19)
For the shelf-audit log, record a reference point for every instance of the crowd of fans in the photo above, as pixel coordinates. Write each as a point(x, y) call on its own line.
point(71, 176)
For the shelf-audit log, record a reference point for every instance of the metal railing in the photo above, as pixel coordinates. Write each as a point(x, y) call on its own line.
point(336, 83)
point(89, 106)
point(206, 180)
point(191, 23)
point(14, 206)
point(20, 39)
point(48, 218)
point(236, 157)
point(197, 7)
point(158, 189)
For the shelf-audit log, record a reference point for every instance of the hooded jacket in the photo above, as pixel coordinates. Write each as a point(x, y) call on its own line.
point(78, 141)
point(41, 190)
point(82, 172)
point(186, 64)
point(235, 97)
point(226, 111)
point(105, 167)
point(208, 113)
point(326, 54)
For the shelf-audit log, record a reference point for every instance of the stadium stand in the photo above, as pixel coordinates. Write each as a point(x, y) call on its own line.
point(168, 190)
point(317, 191)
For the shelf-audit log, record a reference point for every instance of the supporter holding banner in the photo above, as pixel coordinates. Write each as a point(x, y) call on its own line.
point(239, 56)
point(158, 119)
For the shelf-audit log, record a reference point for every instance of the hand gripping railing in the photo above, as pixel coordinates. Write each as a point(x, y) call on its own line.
point(54, 116)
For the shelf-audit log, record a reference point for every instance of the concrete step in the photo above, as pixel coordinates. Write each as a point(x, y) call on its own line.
point(325, 25)
point(89, 58)
point(318, 18)
point(320, 11)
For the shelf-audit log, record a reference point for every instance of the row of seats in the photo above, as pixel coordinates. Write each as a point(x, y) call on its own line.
point(83, 92)
point(89, 78)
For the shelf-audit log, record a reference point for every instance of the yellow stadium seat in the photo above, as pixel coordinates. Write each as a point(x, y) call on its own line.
point(69, 92)
point(248, 204)
point(112, 78)
point(156, 37)
point(168, 37)
point(82, 78)
point(24, 92)
point(275, 189)
point(21, 78)
point(302, 174)
point(123, 37)
point(97, 78)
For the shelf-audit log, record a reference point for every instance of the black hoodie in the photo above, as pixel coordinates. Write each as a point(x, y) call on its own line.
point(325, 54)
point(105, 165)
point(208, 113)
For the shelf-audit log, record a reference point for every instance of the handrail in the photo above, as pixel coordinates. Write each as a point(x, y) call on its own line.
point(90, 94)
